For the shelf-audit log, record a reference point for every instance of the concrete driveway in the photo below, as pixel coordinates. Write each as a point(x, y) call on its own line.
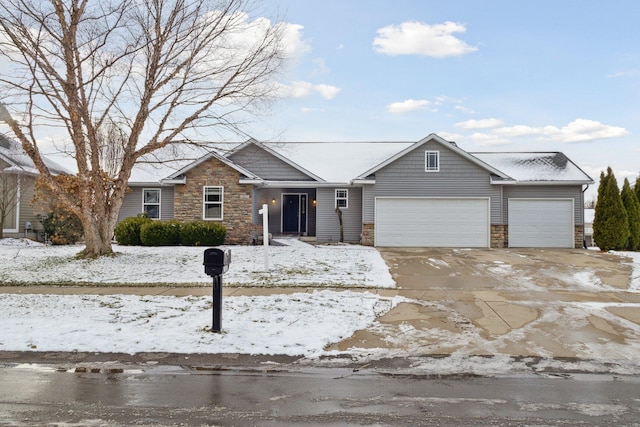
point(516, 302)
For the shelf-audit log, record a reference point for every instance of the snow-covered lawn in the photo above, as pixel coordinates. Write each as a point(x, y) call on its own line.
point(300, 323)
point(298, 264)
point(295, 324)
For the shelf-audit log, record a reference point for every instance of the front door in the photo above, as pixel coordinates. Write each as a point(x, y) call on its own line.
point(290, 213)
point(294, 213)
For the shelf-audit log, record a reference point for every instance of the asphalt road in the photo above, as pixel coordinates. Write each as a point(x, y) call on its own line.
point(166, 395)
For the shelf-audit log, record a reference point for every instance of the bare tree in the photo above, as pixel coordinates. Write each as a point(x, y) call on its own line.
point(9, 193)
point(162, 70)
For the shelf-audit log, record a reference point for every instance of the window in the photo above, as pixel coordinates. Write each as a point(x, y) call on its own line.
point(432, 161)
point(213, 199)
point(342, 199)
point(151, 202)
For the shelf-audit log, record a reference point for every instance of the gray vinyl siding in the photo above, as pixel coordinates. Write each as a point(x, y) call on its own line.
point(457, 177)
point(27, 210)
point(327, 223)
point(132, 204)
point(546, 192)
point(266, 166)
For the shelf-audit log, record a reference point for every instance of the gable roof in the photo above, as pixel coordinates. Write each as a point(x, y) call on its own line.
point(537, 167)
point(329, 163)
point(276, 154)
point(447, 144)
point(19, 162)
point(212, 155)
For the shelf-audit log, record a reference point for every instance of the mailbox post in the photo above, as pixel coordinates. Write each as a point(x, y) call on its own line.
point(216, 263)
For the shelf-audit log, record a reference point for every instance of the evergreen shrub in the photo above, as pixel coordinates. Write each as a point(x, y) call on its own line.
point(127, 232)
point(632, 206)
point(610, 225)
point(202, 233)
point(160, 233)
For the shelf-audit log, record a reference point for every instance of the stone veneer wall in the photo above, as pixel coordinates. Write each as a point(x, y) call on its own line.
point(499, 236)
point(579, 236)
point(236, 210)
point(368, 234)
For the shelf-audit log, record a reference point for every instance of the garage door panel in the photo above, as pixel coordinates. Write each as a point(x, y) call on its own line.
point(426, 222)
point(541, 223)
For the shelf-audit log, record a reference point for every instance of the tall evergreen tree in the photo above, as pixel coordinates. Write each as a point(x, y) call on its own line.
point(610, 225)
point(637, 187)
point(632, 206)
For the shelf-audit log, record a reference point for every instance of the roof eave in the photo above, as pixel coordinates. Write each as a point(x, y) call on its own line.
point(359, 181)
point(552, 182)
point(300, 184)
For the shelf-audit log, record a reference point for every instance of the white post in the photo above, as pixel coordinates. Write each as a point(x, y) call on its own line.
point(265, 234)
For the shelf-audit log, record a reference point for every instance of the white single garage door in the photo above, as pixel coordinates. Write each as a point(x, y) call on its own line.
point(541, 223)
point(432, 222)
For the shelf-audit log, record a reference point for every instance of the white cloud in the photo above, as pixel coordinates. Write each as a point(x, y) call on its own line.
point(465, 109)
point(407, 105)
point(518, 130)
point(327, 91)
point(479, 124)
point(292, 42)
point(301, 89)
point(627, 73)
point(320, 66)
point(488, 139)
point(311, 110)
point(579, 130)
point(416, 38)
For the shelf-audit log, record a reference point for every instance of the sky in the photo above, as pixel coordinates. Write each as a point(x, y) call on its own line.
point(490, 75)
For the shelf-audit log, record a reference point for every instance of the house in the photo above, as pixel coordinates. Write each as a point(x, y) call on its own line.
point(589, 215)
point(426, 193)
point(17, 181)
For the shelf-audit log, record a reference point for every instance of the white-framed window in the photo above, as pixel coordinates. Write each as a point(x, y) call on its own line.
point(151, 202)
point(342, 198)
point(213, 200)
point(432, 161)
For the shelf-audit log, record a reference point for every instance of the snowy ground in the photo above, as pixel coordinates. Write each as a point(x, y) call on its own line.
point(298, 324)
point(302, 323)
point(298, 264)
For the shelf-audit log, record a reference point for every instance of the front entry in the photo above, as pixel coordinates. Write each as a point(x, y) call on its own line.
point(294, 213)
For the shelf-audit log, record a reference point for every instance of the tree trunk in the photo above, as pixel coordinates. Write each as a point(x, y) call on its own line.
point(97, 244)
point(339, 212)
point(98, 222)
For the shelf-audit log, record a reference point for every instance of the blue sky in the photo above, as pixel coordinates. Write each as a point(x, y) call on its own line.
point(491, 75)
point(500, 75)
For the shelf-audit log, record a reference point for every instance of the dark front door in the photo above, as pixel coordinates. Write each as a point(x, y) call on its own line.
point(291, 213)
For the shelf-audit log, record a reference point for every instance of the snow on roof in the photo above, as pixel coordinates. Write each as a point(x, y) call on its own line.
point(338, 162)
point(535, 167)
point(20, 162)
point(341, 162)
point(168, 160)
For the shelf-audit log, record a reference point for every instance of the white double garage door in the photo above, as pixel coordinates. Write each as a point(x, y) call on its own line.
point(465, 222)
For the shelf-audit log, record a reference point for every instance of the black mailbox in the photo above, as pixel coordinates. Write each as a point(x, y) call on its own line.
point(216, 261)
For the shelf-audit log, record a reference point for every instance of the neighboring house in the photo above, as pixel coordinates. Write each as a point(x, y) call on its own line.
point(589, 215)
point(428, 193)
point(18, 175)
